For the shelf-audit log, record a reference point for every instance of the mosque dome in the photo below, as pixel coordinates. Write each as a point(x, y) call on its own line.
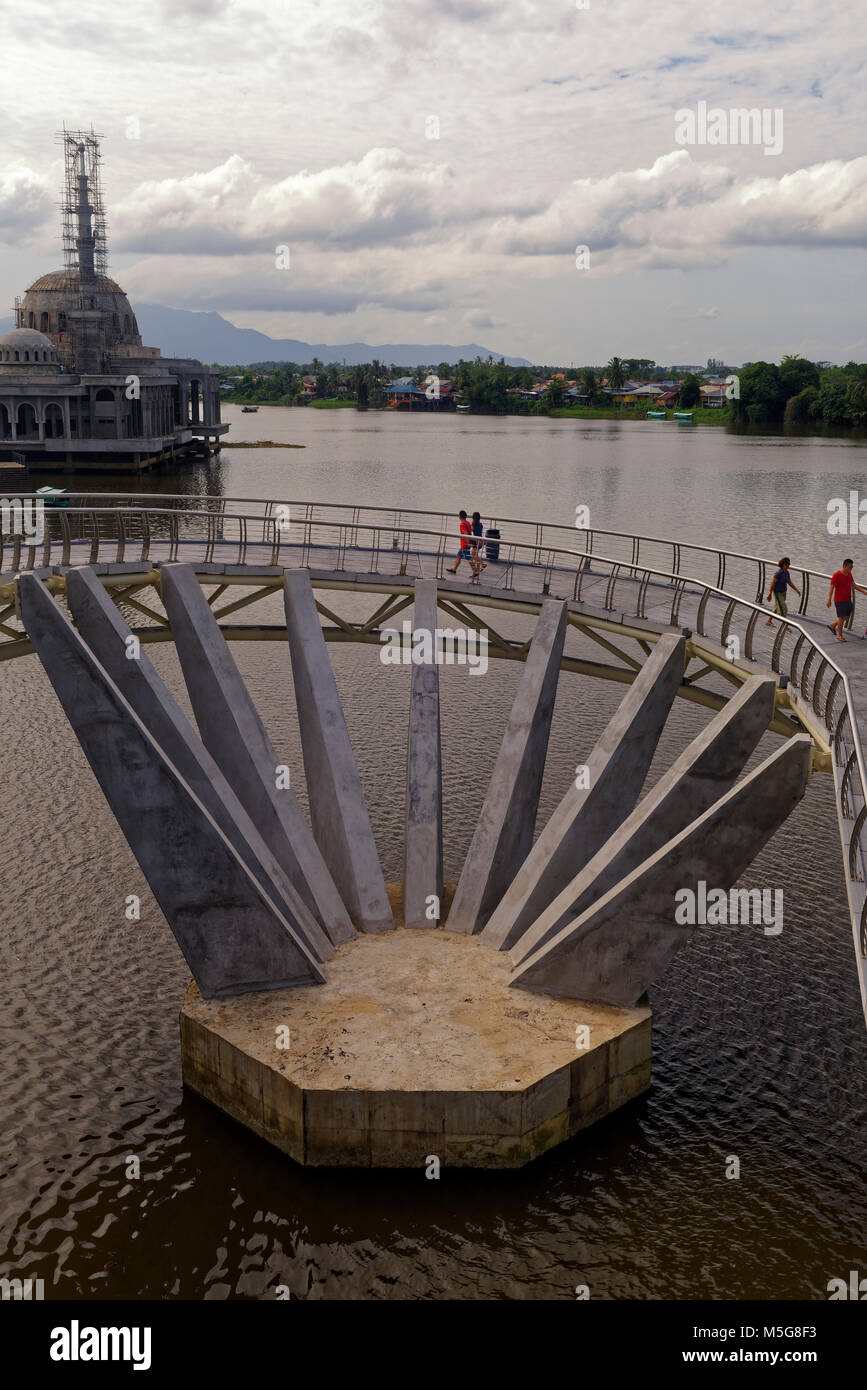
point(27, 350)
point(56, 301)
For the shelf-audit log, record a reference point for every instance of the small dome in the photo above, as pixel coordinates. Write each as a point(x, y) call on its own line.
point(25, 347)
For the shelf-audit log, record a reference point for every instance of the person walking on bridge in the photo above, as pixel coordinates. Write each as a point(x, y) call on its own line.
point(841, 590)
point(780, 582)
point(464, 551)
point(478, 532)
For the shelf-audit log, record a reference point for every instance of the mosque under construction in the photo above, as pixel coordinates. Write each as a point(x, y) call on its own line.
point(78, 390)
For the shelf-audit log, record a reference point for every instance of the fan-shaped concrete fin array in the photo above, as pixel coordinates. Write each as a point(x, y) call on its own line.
point(258, 900)
point(447, 1055)
point(231, 931)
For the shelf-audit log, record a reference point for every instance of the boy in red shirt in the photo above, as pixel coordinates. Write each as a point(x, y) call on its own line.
point(842, 586)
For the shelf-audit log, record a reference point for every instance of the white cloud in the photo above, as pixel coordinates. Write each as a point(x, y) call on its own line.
point(681, 211)
point(25, 203)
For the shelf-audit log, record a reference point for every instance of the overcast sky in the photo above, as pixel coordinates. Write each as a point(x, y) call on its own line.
point(432, 166)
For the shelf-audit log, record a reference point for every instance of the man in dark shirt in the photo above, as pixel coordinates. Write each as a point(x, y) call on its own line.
point(780, 582)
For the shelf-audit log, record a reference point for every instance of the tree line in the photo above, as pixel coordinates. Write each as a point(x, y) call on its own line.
point(795, 392)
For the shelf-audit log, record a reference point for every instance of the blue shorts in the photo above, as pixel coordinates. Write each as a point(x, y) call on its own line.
point(844, 609)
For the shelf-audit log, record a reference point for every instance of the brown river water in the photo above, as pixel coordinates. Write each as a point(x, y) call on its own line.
point(760, 1049)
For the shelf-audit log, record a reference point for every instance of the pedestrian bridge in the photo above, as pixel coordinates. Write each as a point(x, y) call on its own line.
point(631, 595)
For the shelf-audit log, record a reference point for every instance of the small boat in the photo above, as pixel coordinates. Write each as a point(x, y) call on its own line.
point(684, 415)
point(462, 409)
point(249, 409)
point(657, 415)
point(53, 496)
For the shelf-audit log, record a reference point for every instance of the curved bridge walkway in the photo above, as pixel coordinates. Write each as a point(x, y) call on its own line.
point(622, 591)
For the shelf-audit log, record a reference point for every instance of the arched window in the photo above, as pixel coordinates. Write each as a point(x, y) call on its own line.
point(26, 426)
point(43, 323)
point(53, 427)
point(26, 356)
point(126, 324)
point(104, 394)
point(31, 319)
point(61, 323)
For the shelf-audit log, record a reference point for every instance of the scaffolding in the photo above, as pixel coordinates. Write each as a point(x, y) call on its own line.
point(85, 230)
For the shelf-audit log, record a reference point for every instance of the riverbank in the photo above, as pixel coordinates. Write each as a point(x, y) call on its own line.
point(701, 415)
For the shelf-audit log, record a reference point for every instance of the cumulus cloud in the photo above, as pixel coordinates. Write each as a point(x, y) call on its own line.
point(25, 203)
point(681, 211)
point(387, 197)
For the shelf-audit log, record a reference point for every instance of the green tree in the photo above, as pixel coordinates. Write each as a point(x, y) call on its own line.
point(796, 373)
point(616, 373)
point(762, 395)
point(690, 392)
point(799, 408)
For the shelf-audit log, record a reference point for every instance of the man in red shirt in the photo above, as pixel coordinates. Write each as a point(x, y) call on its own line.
point(465, 552)
point(841, 590)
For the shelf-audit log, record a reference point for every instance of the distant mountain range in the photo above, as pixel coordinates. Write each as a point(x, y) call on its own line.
point(211, 338)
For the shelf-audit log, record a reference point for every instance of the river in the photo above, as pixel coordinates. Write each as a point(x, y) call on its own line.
point(759, 1043)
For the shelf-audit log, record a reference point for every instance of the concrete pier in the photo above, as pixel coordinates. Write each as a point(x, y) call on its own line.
point(416, 1050)
point(504, 833)
point(341, 823)
point(423, 826)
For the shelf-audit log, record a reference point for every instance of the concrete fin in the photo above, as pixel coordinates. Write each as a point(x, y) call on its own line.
point(616, 950)
point(703, 773)
point(423, 839)
point(504, 833)
point(106, 634)
point(589, 814)
point(234, 735)
point(230, 931)
point(341, 823)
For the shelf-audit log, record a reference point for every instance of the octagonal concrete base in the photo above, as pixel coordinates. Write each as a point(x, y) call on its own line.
point(416, 1046)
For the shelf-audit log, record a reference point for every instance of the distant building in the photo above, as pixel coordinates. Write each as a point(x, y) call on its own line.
point(714, 395)
point(78, 390)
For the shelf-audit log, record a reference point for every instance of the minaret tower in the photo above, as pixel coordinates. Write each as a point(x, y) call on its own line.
point(85, 248)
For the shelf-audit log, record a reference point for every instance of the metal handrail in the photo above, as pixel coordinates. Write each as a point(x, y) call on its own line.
point(539, 528)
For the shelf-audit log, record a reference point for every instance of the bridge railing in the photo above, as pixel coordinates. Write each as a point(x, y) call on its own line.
point(732, 570)
point(625, 587)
